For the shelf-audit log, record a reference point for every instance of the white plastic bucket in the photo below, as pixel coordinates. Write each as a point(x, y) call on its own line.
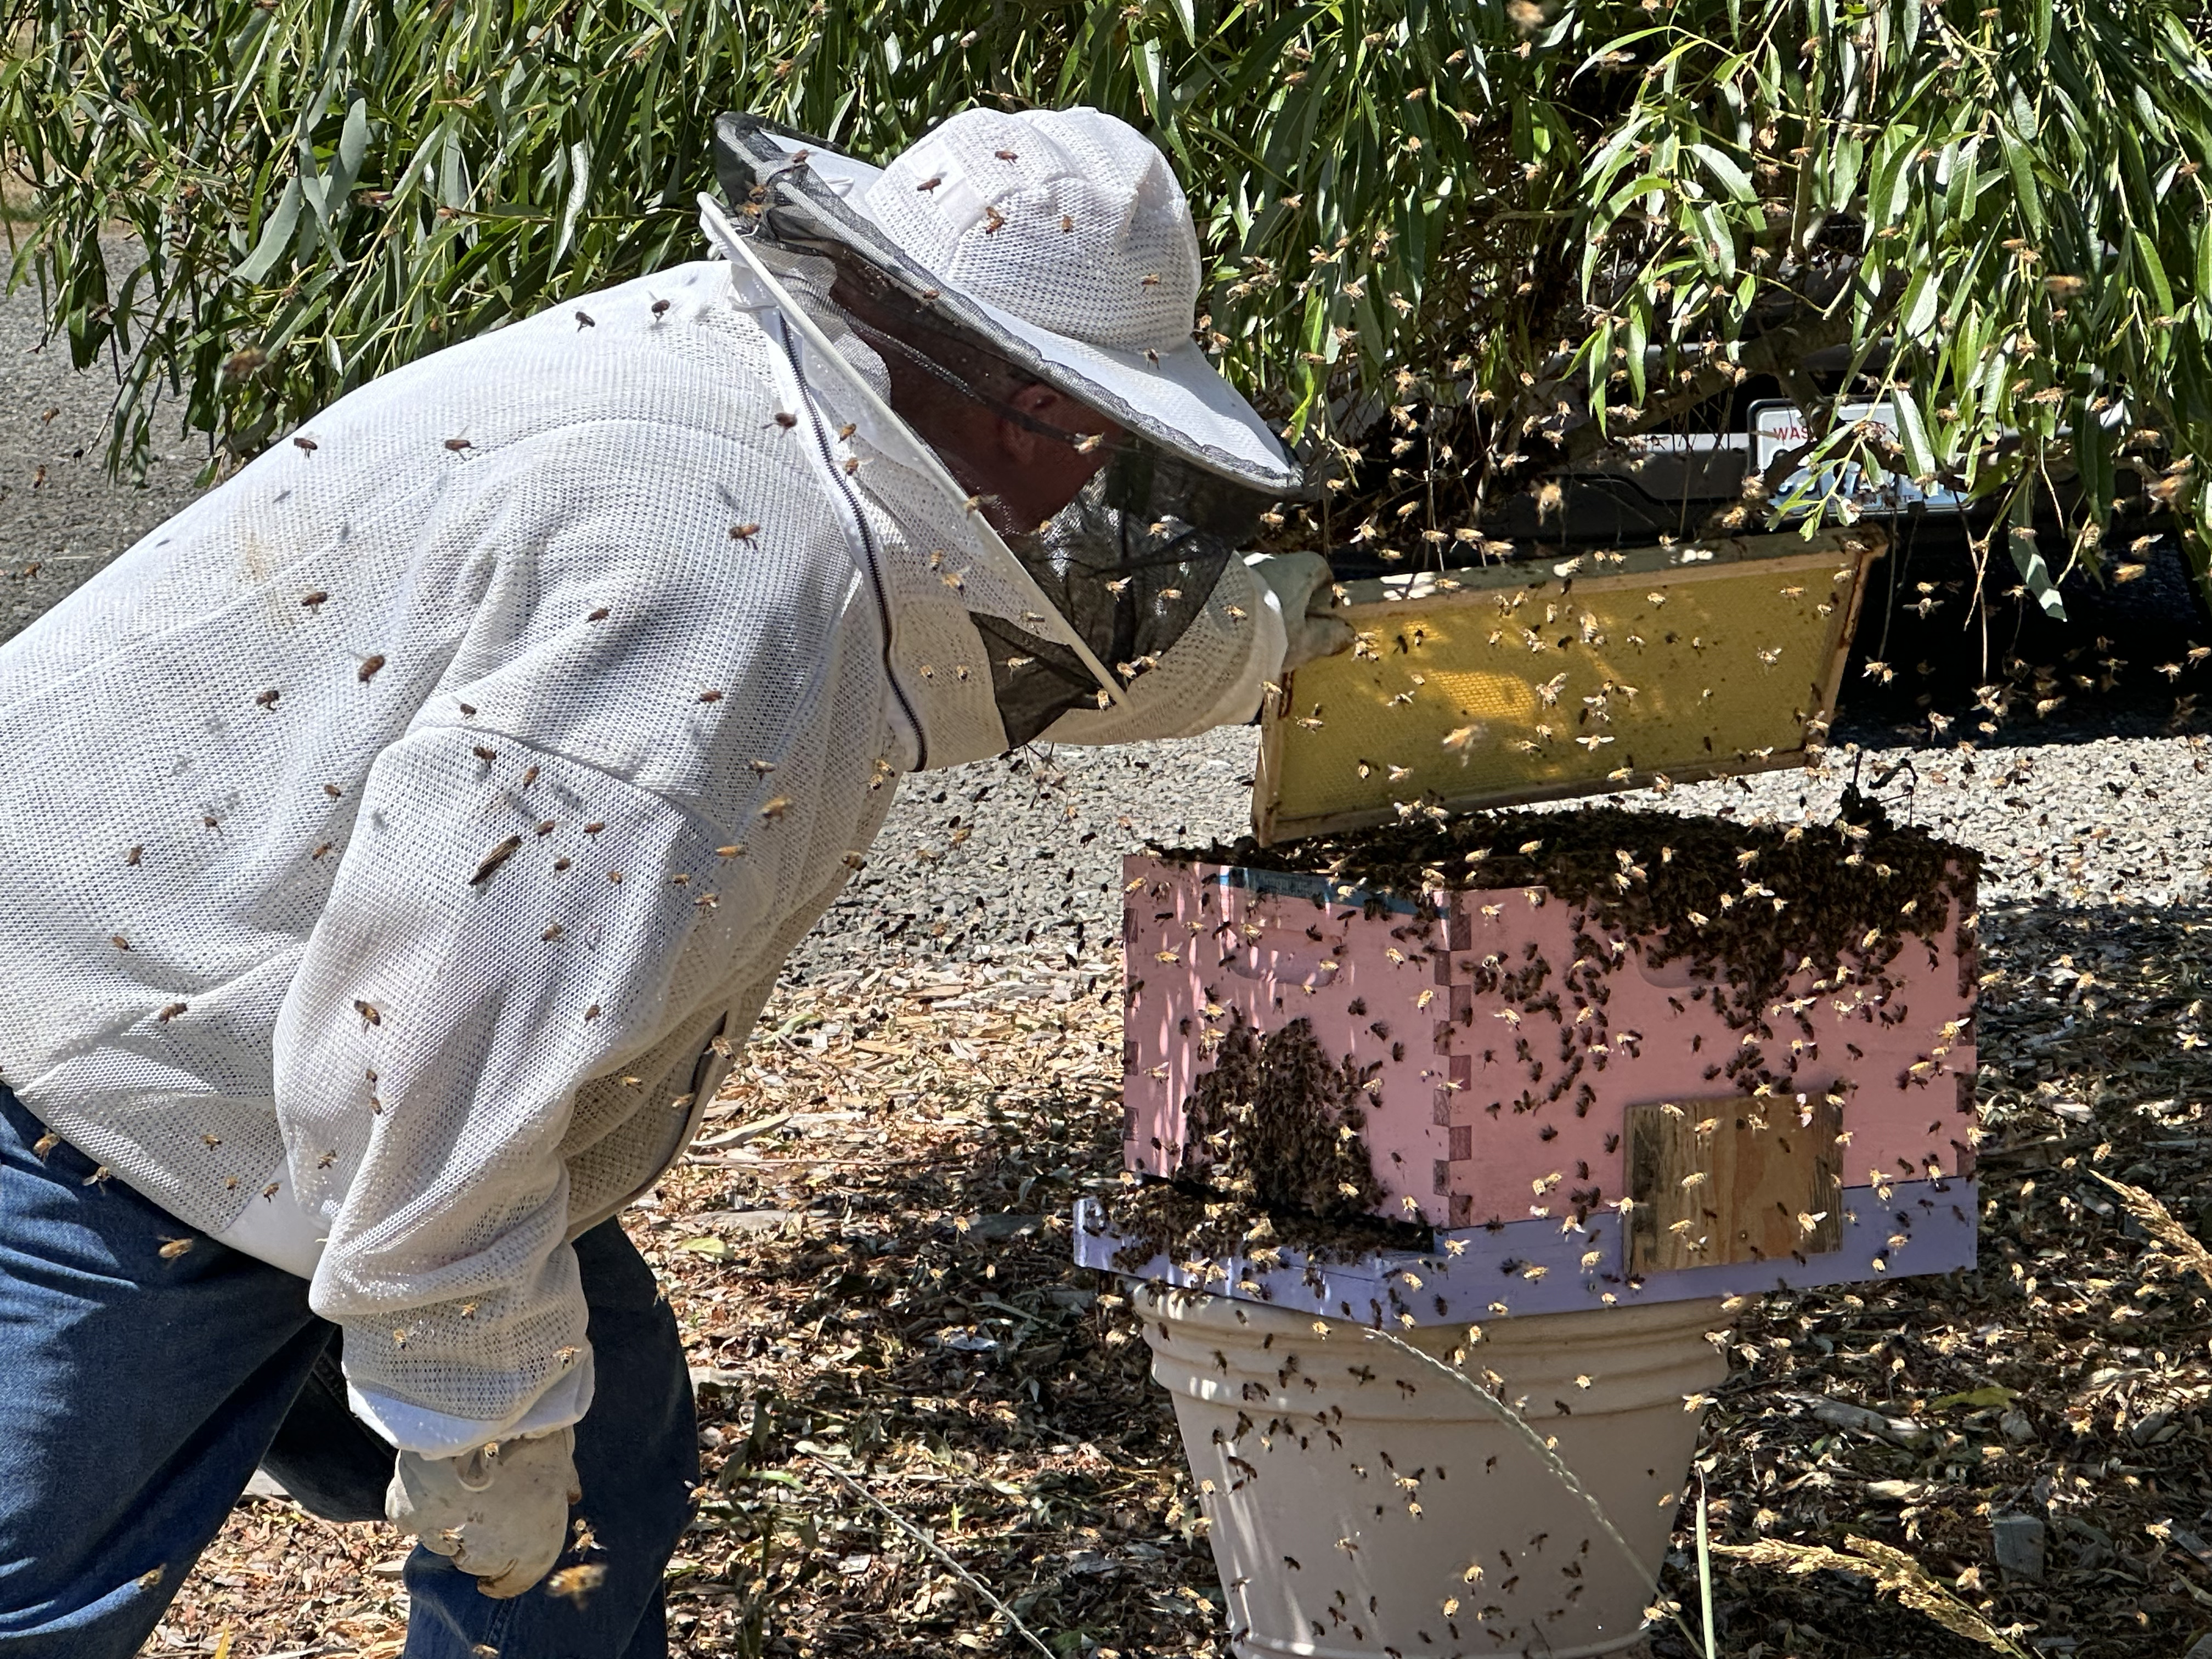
point(1360, 1504)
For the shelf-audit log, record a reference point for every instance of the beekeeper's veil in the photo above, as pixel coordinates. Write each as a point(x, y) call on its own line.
point(1054, 246)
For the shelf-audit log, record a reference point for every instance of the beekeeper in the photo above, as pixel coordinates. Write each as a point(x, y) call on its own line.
point(396, 844)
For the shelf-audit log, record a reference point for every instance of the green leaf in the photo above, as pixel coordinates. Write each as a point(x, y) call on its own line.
point(1912, 434)
point(1924, 302)
point(1716, 240)
point(2028, 193)
point(276, 233)
point(579, 191)
point(2153, 272)
point(1842, 172)
point(1639, 343)
point(353, 145)
point(2027, 557)
point(1888, 201)
point(1655, 184)
point(2093, 461)
point(1986, 1398)
point(1600, 360)
point(1731, 178)
point(1960, 194)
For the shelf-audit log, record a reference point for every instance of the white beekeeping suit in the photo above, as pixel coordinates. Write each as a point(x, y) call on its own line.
point(396, 843)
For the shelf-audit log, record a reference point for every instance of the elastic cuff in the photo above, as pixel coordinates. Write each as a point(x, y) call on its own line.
point(437, 1434)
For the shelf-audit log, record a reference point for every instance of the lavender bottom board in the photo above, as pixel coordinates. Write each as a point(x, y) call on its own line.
point(1544, 1268)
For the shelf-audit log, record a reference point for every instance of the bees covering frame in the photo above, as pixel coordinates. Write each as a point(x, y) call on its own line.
point(1500, 684)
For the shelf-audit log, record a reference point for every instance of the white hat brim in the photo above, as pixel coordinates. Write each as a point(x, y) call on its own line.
point(1179, 401)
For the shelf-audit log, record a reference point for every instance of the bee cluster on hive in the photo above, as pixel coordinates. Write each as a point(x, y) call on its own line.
point(1609, 1054)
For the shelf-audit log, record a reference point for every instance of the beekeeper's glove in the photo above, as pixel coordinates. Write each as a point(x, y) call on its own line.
point(1296, 586)
point(499, 1511)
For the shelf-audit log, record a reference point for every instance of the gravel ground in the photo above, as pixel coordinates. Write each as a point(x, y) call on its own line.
point(61, 518)
point(1017, 862)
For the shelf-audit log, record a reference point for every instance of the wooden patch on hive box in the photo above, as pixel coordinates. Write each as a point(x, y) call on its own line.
point(1738, 1179)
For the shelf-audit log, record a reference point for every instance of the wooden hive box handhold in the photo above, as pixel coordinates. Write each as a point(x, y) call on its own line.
point(1732, 1180)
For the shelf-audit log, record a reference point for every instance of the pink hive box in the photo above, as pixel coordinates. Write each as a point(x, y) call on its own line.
point(1522, 1180)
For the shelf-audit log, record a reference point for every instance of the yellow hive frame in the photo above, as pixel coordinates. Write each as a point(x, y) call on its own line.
point(1473, 688)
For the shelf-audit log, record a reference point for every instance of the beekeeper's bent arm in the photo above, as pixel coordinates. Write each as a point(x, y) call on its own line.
point(536, 891)
point(1211, 676)
point(426, 1063)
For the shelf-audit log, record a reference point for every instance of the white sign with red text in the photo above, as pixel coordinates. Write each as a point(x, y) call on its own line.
point(1777, 428)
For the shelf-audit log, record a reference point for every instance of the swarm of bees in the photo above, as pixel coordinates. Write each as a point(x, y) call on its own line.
point(1753, 909)
point(1274, 1128)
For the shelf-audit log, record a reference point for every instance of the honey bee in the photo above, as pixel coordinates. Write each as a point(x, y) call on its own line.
point(743, 532)
point(173, 1248)
point(369, 667)
point(493, 858)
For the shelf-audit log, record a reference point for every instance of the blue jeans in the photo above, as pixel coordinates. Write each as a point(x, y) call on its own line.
point(138, 1394)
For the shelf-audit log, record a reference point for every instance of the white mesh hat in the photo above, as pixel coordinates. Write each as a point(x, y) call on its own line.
point(1060, 236)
